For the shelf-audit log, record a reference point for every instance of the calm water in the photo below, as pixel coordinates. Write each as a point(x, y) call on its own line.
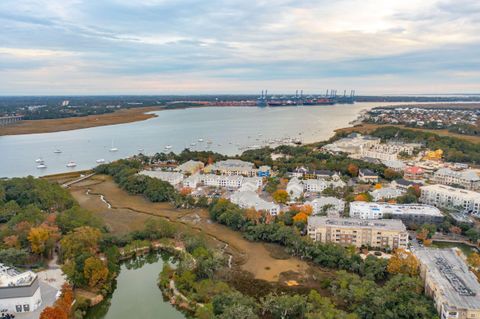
point(228, 128)
point(137, 294)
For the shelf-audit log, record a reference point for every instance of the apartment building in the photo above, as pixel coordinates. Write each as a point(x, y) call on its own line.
point(451, 198)
point(331, 206)
point(173, 178)
point(386, 234)
point(409, 214)
point(249, 199)
point(385, 193)
point(466, 178)
point(232, 167)
point(448, 280)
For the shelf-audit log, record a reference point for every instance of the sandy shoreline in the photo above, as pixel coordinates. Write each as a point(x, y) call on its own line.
point(74, 123)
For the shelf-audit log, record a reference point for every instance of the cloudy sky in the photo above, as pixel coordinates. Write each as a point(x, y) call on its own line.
point(239, 46)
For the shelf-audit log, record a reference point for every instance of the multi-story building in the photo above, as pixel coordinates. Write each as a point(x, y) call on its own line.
point(315, 185)
point(386, 233)
point(249, 199)
point(453, 287)
point(352, 144)
point(466, 178)
point(295, 188)
point(230, 181)
point(331, 206)
point(410, 214)
point(451, 198)
point(232, 167)
point(173, 178)
point(19, 292)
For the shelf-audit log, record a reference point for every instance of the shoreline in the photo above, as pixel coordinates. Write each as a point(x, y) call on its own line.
point(121, 116)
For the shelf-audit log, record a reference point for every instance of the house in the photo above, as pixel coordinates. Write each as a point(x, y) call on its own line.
point(413, 173)
point(173, 178)
point(367, 176)
point(402, 184)
point(450, 283)
point(19, 291)
point(192, 181)
point(190, 167)
point(387, 233)
point(331, 206)
point(251, 184)
point(315, 185)
point(295, 188)
point(249, 199)
point(385, 193)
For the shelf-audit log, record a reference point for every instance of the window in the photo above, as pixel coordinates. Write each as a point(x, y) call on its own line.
point(26, 308)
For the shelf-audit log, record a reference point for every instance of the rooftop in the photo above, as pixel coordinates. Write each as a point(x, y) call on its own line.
point(457, 283)
point(451, 190)
point(398, 209)
point(10, 277)
point(386, 224)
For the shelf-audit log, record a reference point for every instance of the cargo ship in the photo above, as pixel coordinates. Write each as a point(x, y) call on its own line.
point(299, 99)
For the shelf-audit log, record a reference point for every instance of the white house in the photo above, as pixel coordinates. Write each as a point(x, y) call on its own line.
point(295, 188)
point(251, 184)
point(173, 178)
point(19, 291)
point(333, 206)
point(386, 193)
point(249, 199)
point(315, 185)
point(192, 181)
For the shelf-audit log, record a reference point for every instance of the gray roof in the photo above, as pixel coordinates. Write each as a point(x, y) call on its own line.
point(450, 273)
point(386, 224)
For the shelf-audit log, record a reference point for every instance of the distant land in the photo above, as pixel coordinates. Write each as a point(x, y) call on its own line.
point(43, 114)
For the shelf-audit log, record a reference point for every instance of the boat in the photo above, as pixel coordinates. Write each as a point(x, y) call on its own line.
point(57, 151)
point(39, 160)
point(100, 160)
point(200, 139)
point(113, 148)
point(140, 150)
point(71, 164)
point(41, 166)
point(209, 142)
point(168, 147)
point(193, 144)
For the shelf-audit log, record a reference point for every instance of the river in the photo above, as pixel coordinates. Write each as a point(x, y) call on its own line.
point(227, 130)
point(137, 294)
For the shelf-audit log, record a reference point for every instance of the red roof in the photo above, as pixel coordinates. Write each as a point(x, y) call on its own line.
point(415, 170)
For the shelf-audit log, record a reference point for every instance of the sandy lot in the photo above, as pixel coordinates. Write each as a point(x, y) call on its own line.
point(130, 212)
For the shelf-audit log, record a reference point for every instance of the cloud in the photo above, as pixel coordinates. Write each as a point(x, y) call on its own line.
point(158, 46)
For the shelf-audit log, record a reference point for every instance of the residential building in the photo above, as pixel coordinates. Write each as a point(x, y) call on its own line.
point(352, 144)
point(315, 185)
point(173, 178)
point(192, 181)
point(232, 167)
point(413, 173)
point(264, 171)
point(331, 206)
point(466, 178)
point(387, 233)
point(402, 184)
point(367, 176)
point(295, 188)
point(410, 214)
point(396, 165)
point(385, 193)
point(249, 199)
point(251, 184)
point(451, 198)
point(19, 291)
point(453, 287)
point(190, 167)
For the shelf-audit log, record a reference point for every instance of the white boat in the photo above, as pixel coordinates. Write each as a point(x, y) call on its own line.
point(100, 160)
point(113, 148)
point(209, 142)
point(57, 151)
point(193, 144)
point(41, 166)
point(168, 147)
point(140, 150)
point(71, 164)
point(39, 160)
point(200, 139)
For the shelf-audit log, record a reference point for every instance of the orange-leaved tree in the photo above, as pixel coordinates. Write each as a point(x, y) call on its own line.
point(280, 196)
point(403, 262)
point(95, 271)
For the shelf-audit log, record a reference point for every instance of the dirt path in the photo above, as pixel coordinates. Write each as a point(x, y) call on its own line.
point(74, 123)
point(130, 213)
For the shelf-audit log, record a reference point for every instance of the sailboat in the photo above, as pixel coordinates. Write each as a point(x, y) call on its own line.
point(71, 164)
point(100, 160)
point(41, 166)
point(39, 160)
point(57, 151)
point(168, 147)
point(113, 148)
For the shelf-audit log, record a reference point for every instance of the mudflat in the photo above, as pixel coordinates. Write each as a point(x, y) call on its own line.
point(74, 123)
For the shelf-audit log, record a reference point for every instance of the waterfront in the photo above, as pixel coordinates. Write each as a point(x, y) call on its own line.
point(225, 130)
point(137, 294)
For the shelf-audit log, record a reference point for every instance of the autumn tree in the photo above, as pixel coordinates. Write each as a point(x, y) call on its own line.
point(43, 238)
point(403, 262)
point(253, 215)
point(390, 174)
point(378, 186)
point(300, 217)
point(185, 191)
point(352, 169)
point(62, 307)
point(53, 313)
point(455, 230)
point(364, 197)
point(474, 260)
point(95, 271)
point(82, 239)
point(280, 196)
point(11, 241)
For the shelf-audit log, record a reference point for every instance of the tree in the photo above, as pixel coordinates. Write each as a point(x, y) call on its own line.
point(82, 239)
point(352, 169)
point(474, 260)
point(53, 313)
point(300, 217)
point(95, 271)
point(390, 174)
point(364, 197)
point(76, 217)
point(403, 262)
point(280, 196)
point(42, 238)
point(455, 230)
point(284, 306)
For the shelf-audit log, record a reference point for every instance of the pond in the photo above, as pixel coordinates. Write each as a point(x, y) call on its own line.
point(137, 294)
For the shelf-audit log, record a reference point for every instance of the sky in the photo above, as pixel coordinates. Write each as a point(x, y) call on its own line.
point(92, 47)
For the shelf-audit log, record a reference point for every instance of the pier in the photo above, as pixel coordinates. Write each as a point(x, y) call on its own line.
point(7, 120)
